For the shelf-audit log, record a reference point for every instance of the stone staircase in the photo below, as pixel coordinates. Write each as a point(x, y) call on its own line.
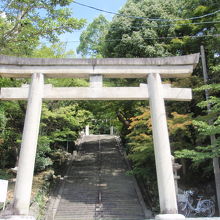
point(97, 187)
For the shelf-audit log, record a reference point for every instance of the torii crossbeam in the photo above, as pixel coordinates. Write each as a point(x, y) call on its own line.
point(95, 69)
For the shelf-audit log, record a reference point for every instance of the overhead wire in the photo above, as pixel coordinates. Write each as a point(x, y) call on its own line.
point(159, 26)
point(145, 18)
point(167, 25)
point(156, 38)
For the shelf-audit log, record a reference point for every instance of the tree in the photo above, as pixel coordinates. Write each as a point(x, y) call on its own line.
point(24, 23)
point(140, 151)
point(56, 50)
point(204, 151)
point(61, 121)
point(134, 37)
point(93, 38)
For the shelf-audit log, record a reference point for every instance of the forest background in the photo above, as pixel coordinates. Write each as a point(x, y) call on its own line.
point(148, 28)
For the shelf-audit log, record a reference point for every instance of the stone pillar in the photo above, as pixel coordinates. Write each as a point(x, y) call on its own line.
point(176, 167)
point(27, 155)
point(87, 130)
point(165, 178)
point(111, 130)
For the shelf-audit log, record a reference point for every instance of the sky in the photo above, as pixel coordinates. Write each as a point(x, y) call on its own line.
point(89, 15)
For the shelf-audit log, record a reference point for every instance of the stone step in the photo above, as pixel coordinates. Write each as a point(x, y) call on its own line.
point(75, 212)
point(80, 210)
point(75, 217)
point(122, 216)
point(76, 205)
point(123, 205)
point(97, 175)
point(125, 212)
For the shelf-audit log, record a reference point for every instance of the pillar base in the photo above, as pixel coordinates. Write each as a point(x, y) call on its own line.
point(169, 217)
point(17, 217)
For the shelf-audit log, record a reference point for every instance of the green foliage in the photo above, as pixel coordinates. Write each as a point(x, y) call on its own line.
point(180, 130)
point(200, 153)
point(24, 23)
point(43, 160)
point(207, 125)
point(54, 51)
point(40, 200)
point(129, 37)
point(5, 174)
point(92, 39)
point(60, 120)
point(59, 158)
point(140, 144)
point(63, 122)
point(3, 121)
point(10, 133)
point(20, 32)
point(140, 151)
point(42, 187)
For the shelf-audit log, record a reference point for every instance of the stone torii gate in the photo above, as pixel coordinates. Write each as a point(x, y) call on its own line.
point(150, 68)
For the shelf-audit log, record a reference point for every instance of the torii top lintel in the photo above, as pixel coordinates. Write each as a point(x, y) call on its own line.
point(168, 67)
